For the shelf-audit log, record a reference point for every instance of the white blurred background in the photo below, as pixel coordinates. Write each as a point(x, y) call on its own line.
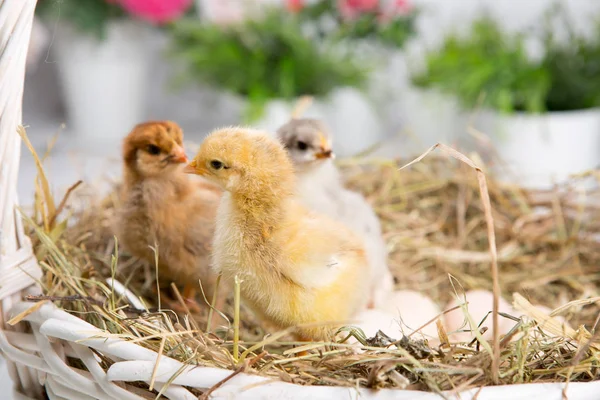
point(200, 110)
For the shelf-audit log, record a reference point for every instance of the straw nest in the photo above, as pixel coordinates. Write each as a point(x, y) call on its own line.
point(435, 225)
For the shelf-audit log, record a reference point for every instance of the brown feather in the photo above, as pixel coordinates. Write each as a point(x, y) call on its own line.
point(163, 207)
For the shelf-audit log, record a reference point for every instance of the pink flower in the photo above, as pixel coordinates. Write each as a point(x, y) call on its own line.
point(156, 11)
point(294, 5)
point(393, 9)
point(402, 6)
point(351, 9)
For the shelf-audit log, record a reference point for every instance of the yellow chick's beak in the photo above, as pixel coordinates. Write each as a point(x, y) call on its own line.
point(179, 155)
point(191, 168)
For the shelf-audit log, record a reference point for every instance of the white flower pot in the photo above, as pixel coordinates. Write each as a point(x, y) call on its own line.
point(540, 150)
point(104, 81)
point(388, 85)
point(353, 122)
point(429, 117)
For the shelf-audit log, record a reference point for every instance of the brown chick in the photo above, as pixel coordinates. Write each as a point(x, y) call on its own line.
point(296, 267)
point(162, 207)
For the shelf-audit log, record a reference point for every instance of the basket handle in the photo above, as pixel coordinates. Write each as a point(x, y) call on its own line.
point(18, 267)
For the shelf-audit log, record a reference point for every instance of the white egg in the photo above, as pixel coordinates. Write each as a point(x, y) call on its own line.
point(401, 313)
point(480, 304)
point(413, 310)
point(373, 320)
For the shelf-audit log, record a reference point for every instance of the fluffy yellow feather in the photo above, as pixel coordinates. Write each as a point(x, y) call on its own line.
point(296, 267)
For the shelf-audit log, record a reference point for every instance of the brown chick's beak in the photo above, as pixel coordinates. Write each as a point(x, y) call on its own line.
point(179, 156)
point(323, 154)
point(191, 168)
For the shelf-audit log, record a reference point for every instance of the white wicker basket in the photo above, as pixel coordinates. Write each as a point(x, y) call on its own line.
point(36, 347)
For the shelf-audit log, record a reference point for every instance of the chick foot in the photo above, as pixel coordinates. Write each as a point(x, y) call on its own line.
point(190, 303)
point(189, 298)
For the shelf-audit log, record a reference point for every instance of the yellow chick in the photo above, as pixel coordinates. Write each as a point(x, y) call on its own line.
point(163, 207)
point(296, 267)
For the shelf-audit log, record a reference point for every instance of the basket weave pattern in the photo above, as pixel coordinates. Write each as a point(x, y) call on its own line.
point(18, 267)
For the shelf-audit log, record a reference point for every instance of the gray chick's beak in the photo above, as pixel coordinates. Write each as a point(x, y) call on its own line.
point(323, 154)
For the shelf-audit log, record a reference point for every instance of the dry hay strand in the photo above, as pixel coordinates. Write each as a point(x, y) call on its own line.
point(435, 226)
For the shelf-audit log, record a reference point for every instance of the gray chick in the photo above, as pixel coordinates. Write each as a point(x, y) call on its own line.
point(320, 188)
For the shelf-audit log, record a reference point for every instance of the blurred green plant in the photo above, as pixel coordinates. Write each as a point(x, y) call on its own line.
point(87, 16)
point(263, 59)
point(491, 68)
point(487, 68)
point(573, 65)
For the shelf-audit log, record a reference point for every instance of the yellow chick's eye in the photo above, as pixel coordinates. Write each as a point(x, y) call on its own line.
point(216, 164)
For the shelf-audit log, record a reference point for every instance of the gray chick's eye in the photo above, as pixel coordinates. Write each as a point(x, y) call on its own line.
point(301, 145)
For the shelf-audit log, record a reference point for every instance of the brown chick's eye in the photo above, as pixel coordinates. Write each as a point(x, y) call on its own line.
point(302, 145)
point(152, 149)
point(216, 164)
